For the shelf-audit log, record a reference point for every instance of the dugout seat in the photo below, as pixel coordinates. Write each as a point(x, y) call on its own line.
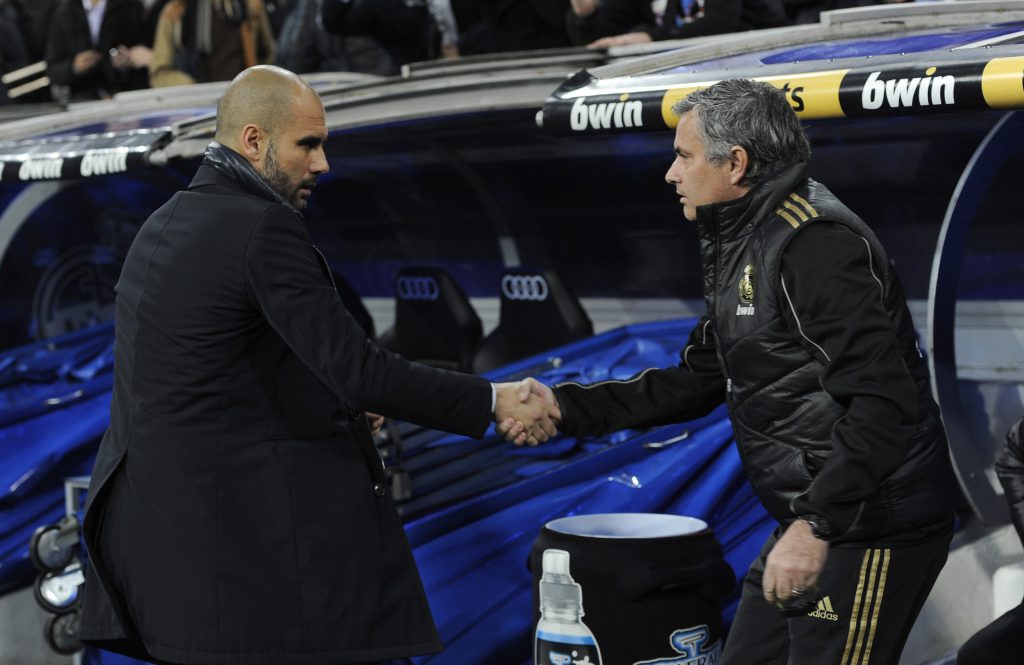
point(538, 312)
point(434, 322)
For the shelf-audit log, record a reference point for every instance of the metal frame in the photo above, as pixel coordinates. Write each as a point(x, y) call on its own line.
point(1005, 137)
point(74, 487)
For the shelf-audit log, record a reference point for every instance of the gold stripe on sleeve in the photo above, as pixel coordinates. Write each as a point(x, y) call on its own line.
point(789, 218)
point(797, 211)
point(802, 201)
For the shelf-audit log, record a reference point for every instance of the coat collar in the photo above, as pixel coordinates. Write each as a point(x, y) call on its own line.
point(221, 163)
point(729, 218)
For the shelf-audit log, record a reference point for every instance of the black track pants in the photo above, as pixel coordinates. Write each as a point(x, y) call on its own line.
point(868, 600)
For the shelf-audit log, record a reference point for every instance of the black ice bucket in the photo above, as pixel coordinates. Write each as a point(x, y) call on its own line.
point(651, 589)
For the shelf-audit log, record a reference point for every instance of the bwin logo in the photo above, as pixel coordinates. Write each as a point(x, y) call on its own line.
point(937, 91)
point(606, 115)
point(41, 169)
point(100, 162)
point(524, 287)
point(417, 288)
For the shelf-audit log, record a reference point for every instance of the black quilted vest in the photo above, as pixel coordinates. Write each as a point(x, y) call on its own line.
point(781, 416)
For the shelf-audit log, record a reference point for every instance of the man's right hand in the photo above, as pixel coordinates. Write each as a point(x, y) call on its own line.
point(794, 563)
point(84, 61)
point(621, 40)
point(584, 7)
point(526, 412)
point(140, 57)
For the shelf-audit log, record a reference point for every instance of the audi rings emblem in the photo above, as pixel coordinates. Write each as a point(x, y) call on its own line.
point(417, 288)
point(524, 287)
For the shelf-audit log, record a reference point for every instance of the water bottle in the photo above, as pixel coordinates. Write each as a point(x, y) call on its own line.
point(562, 638)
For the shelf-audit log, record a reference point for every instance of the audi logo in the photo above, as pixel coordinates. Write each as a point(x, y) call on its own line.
point(524, 287)
point(417, 288)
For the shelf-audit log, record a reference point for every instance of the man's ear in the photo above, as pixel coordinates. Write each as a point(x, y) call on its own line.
point(739, 160)
point(253, 143)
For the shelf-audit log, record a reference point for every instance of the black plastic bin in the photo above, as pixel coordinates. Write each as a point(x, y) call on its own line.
point(652, 587)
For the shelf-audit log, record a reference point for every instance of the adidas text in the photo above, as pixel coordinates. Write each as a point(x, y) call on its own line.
point(824, 610)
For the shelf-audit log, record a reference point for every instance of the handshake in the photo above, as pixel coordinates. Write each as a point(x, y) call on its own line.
point(526, 412)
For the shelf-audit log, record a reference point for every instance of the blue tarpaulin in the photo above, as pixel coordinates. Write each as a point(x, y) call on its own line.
point(477, 506)
point(54, 406)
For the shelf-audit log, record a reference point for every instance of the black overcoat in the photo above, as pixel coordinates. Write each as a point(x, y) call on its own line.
point(237, 512)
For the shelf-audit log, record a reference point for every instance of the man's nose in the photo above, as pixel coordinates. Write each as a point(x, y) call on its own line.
point(320, 164)
point(670, 176)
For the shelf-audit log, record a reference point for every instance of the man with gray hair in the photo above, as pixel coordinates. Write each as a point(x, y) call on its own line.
point(808, 340)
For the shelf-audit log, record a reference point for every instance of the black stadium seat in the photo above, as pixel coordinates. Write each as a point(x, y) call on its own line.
point(434, 321)
point(538, 312)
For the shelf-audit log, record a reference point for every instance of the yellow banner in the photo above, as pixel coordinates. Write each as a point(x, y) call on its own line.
point(812, 95)
point(1002, 83)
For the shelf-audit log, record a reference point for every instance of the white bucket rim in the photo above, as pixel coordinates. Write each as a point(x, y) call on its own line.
point(627, 525)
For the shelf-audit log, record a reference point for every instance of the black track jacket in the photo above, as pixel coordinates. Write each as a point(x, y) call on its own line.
point(808, 340)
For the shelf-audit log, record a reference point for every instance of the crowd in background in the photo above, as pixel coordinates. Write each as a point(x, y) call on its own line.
point(93, 49)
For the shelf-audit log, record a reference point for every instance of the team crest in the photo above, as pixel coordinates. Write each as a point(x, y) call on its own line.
point(746, 287)
point(746, 290)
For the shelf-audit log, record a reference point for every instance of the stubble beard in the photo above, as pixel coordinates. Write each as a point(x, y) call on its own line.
point(278, 180)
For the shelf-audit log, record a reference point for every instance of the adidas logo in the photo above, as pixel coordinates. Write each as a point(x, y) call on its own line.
point(824, 610)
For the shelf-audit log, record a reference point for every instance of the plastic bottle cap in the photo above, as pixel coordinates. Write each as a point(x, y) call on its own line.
point(556, 562)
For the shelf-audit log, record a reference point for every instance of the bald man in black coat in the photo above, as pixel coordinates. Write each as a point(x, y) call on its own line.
point(238, 512)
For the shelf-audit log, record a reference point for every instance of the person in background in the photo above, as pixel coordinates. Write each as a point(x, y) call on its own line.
point(198, 41)
point(96, 48)
point(278, 12)
point(449, 28)
point(495, 26)
point(605, 23)
point(405, 31)
point(809, 11)
point(303, 46)
point(590, 20)
point(1002, 641)
point(13, 52)
point(34, 25)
